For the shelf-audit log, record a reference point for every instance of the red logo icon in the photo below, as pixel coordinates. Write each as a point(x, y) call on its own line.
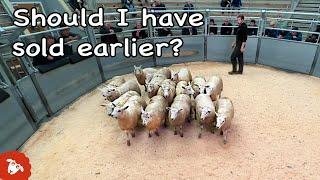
point(14, 166)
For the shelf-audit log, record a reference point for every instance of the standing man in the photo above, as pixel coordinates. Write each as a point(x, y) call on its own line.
point(239, 46)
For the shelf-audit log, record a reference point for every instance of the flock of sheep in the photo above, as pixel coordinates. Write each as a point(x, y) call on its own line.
point(174, 99)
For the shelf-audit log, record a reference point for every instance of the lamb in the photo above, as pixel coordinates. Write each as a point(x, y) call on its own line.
point(116, 92)
point(119, 102)
point(179, 112)
point(183, 75)
point(225, 114)
point(198, 85)
point(128, 115)
point(167, 90)
point(214, 87)
point(184, 88)
point(154, 85)
point(144, 75)
point(205, 111)
point(154, 114)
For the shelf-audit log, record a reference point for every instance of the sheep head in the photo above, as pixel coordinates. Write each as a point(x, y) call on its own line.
point(221, 119)
point(205, 112)
point(188, 90)
point(109, 108)
point(117, 111)
point(145, 117)
point(166, 91)
point(208, 90)
point(174, 76)
point(173, 113)
point(138, 70)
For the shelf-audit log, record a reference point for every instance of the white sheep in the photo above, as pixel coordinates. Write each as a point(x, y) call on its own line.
point(179, 112)
point(154, 85)
point(205, 111)
point(167, 90)
point(198, 85)
point(119, 101)
point(214, 87)
point(128, 115)
point(155, 114)
point(184, 88)
point(115, 92)
point(225, 114)
point(144, 75)
point(184, 74)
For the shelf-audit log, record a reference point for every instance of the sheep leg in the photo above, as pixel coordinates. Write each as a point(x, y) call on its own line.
point(133, 134)
point(221, 133)
point(165, 122)
point(181, 133)
point(150, 134)
point(225, 133)
point(200, 133)
point(128, 139)
point(157, 133)
point(145, 88)
point(175, 131)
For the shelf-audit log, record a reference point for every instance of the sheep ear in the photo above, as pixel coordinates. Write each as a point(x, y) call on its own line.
point(142, 110)
point(183, 87)
point(113, 105)
point(125, 108)
point(103, 105)
point(180, 110)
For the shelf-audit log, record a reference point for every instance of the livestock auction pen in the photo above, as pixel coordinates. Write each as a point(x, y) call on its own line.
point(275, 135)
point(52, 112)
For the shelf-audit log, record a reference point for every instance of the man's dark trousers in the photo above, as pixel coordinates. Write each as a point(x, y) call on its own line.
point(237, 55)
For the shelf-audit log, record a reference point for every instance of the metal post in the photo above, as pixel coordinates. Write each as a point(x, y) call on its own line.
point(315, 60)
point(92, 39)
point(261, 31)
point(151, 36)
point(206, 32)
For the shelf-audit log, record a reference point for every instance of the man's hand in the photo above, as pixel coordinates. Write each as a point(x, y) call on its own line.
point(242, 49)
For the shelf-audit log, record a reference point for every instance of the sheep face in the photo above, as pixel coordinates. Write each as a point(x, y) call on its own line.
point(221, 119)
point(209, 90)
point(201, 88)
point(14, 167)
point(117, 111)
point(188, 90)
point(174, 76)
point(166, 91)
point(110, 107)
point(173, 113)
point(138, 70)
point(205, 112)
point(145, 117)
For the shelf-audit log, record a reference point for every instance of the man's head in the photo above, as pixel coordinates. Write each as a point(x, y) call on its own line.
point(253, 22)
point(157, 2)
point(240, 19)
point(211, 21)
point(138, 26)
point(50, 40)
point(226, 21)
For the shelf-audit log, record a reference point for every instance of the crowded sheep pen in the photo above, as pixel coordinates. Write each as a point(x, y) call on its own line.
point(273, 133)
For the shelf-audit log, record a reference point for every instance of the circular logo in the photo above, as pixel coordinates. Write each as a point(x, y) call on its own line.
point(14, 165)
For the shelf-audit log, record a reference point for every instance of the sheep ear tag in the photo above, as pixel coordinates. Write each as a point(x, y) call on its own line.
point(14, 165)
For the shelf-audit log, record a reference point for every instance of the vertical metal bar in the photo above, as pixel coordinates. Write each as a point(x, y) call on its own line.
point(206, 32)
point(315, 60)
point(36, 85)
point(92, 39)
point(261, 31)
point(151, 36)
